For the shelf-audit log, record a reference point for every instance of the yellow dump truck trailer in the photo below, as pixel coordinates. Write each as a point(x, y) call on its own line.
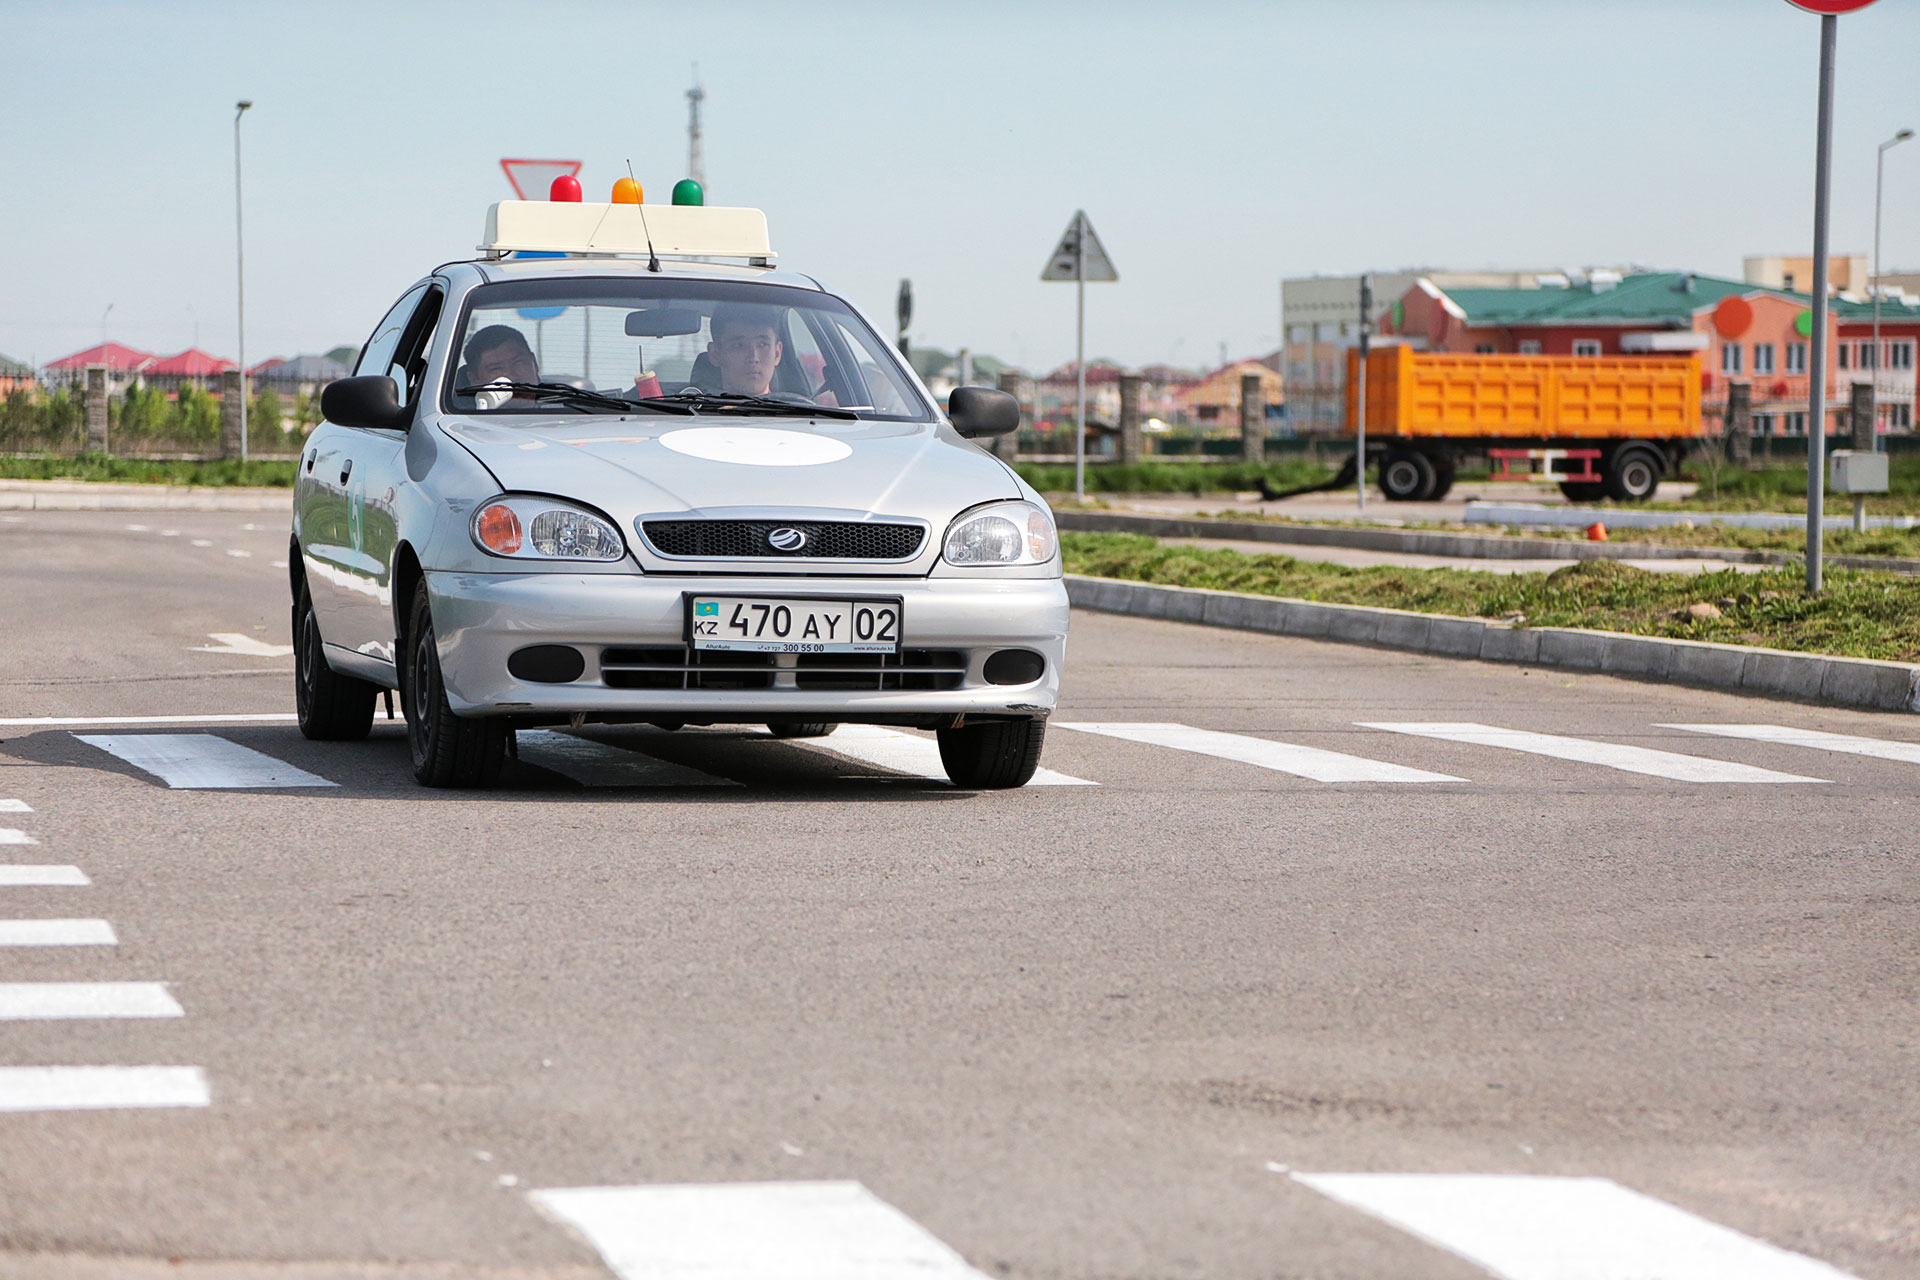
point(1600, 425)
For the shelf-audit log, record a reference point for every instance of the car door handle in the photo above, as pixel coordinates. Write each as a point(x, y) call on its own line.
point(312, 458)
point(346, 469)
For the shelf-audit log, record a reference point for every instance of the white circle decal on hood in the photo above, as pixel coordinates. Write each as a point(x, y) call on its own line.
point(756, 446)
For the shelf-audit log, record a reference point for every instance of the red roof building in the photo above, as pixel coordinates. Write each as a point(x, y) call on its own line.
point(118, 359)
point(191, 363)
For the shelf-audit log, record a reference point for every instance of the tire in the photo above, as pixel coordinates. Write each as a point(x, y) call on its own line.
point(331, 707)
point(1583, 490)
point(1633, 475)
point(1406, 476)
point(802, 728)
point(448, 750)
point(1442, 481)
point(993, 756)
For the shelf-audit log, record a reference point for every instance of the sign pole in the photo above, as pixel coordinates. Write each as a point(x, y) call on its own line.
point(1360, 438)
point(1817, 365)
point(1080, 366)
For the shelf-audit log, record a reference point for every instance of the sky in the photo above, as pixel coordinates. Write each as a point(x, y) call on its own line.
point(1216, 147)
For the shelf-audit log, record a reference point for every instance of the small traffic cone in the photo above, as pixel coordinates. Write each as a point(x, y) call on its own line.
point(1596, 532)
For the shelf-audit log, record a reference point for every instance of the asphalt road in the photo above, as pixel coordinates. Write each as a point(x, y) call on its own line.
point(1084, 1032)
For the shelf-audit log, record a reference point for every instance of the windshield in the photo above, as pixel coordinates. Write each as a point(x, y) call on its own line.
point(697, 343)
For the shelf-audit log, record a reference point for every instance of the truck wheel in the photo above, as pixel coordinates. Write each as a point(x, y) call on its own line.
point(1442, 480)
point(1633, 474)
point(992, 756)
point(1406, 476)
point(1583, 490)
point(448, 750)
point(331, 707)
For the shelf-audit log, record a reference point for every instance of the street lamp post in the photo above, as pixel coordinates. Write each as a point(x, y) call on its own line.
point(240, 272)
point(1879, 169)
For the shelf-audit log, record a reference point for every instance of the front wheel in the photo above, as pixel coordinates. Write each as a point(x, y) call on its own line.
point(1407, 476)
point(994, 755)
point(1633, 475)
point(331, 707)
point(448, 750)
point(802, 728)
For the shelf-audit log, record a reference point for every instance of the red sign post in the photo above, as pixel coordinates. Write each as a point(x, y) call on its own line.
point(1817, 363)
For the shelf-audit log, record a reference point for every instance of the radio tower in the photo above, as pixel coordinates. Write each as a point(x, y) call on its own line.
point(696, 162)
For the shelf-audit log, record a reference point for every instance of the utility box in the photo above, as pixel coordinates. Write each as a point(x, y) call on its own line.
point(1855, 471)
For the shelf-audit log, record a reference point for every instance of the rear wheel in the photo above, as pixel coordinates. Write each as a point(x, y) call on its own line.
point(1583, 490)
point(331, 707)
point(1442, 481)
point(802, 728)
point(994, 755)
point(1633, 474)
point(1406, 476)
point(448, 750)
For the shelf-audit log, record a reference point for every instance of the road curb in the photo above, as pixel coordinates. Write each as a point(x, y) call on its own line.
point(1424, 542)
point(81, 495)
point(1775, 673)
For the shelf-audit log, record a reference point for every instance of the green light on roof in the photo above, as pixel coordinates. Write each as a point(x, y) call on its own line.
point(687, 191)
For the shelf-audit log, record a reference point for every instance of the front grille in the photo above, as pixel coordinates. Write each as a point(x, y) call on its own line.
point(748, 539)
point(921, 670)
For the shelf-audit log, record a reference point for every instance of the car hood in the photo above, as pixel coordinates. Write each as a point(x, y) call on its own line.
point(705, 466)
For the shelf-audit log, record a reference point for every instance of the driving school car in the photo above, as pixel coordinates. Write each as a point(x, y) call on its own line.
point(621, 469)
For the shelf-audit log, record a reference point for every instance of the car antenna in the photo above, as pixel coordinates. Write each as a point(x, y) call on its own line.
point(653, 259)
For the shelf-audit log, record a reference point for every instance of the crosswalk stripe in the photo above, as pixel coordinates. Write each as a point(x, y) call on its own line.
point(36, 1001)
point(1905, 752)
point(15, 806)
point(10, 835)
point(202, 761)
point(1548, 1228)
point(911, 753)
point(597, 764)
point(1283, 757)
point(753, 1231)
point(57, 933)
point(101, 1088)
point(1644, 760)
point(25, 876)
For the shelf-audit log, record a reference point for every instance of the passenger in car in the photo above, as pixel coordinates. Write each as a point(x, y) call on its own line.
point(499, 351)
point(746, 349)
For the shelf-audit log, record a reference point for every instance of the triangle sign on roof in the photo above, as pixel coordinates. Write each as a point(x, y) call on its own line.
point(1080, 255)
point(532, 178)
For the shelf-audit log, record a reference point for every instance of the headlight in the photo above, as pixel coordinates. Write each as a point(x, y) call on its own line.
point(1001, 533)
point(534, 528)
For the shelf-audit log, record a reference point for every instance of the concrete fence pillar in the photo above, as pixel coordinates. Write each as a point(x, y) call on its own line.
point(1253, 419)
point(1007, 446)
point(1737, 425)
point(1862, 407)
point(1132, 442)
point(94, 399)
point(232, 388)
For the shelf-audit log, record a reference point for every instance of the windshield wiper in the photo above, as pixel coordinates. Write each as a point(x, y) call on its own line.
point(573, 397)
point(737, 402)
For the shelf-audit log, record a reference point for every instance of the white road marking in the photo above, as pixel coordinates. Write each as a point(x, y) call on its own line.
point(595, 764)
point(101, 1088)
point(1645, 760)
point(27, 876)
point(57, 933)
point(911, 753)
point(39, 1001)
point(1531, 1228)
point(753, 1231)
point(239, 555)
point(136, 528)
point(202, 761)
point(279, 564)
point(1905, 752)
point(26, 722)
point(236, 642)
point(15, 806)
point(10, 835)
point(202, 542)
point(169, 533)
point(1282, 757)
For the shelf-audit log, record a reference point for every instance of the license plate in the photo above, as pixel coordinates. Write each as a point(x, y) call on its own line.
point(779, 624)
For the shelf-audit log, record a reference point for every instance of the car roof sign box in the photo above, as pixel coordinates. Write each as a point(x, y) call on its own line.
point(674, 231)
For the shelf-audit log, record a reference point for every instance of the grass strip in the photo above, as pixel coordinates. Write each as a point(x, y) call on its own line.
point(1861, 614)
point(219, 473)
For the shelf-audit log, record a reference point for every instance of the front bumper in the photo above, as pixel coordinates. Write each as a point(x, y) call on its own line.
point(952, 626)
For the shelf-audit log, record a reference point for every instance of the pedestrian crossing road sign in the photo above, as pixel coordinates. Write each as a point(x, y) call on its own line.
point(1080, 255)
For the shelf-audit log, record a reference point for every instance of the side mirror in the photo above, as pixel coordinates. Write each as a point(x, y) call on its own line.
point(364, 402)
point(982, 411)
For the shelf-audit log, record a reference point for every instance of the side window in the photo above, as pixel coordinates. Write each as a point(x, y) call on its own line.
point(408, 368)
point(378, 355)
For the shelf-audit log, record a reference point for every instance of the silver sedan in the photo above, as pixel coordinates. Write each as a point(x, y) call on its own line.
point(575, 489)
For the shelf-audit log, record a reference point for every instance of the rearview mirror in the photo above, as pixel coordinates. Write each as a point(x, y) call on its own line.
point(363, 402)
point(982, 411)
point(663, 322)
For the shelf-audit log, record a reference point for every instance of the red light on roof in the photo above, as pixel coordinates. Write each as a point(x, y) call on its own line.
point(565, 187)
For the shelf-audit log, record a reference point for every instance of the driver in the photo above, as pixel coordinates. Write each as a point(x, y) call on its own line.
point(500, 351)
point(746, 349)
